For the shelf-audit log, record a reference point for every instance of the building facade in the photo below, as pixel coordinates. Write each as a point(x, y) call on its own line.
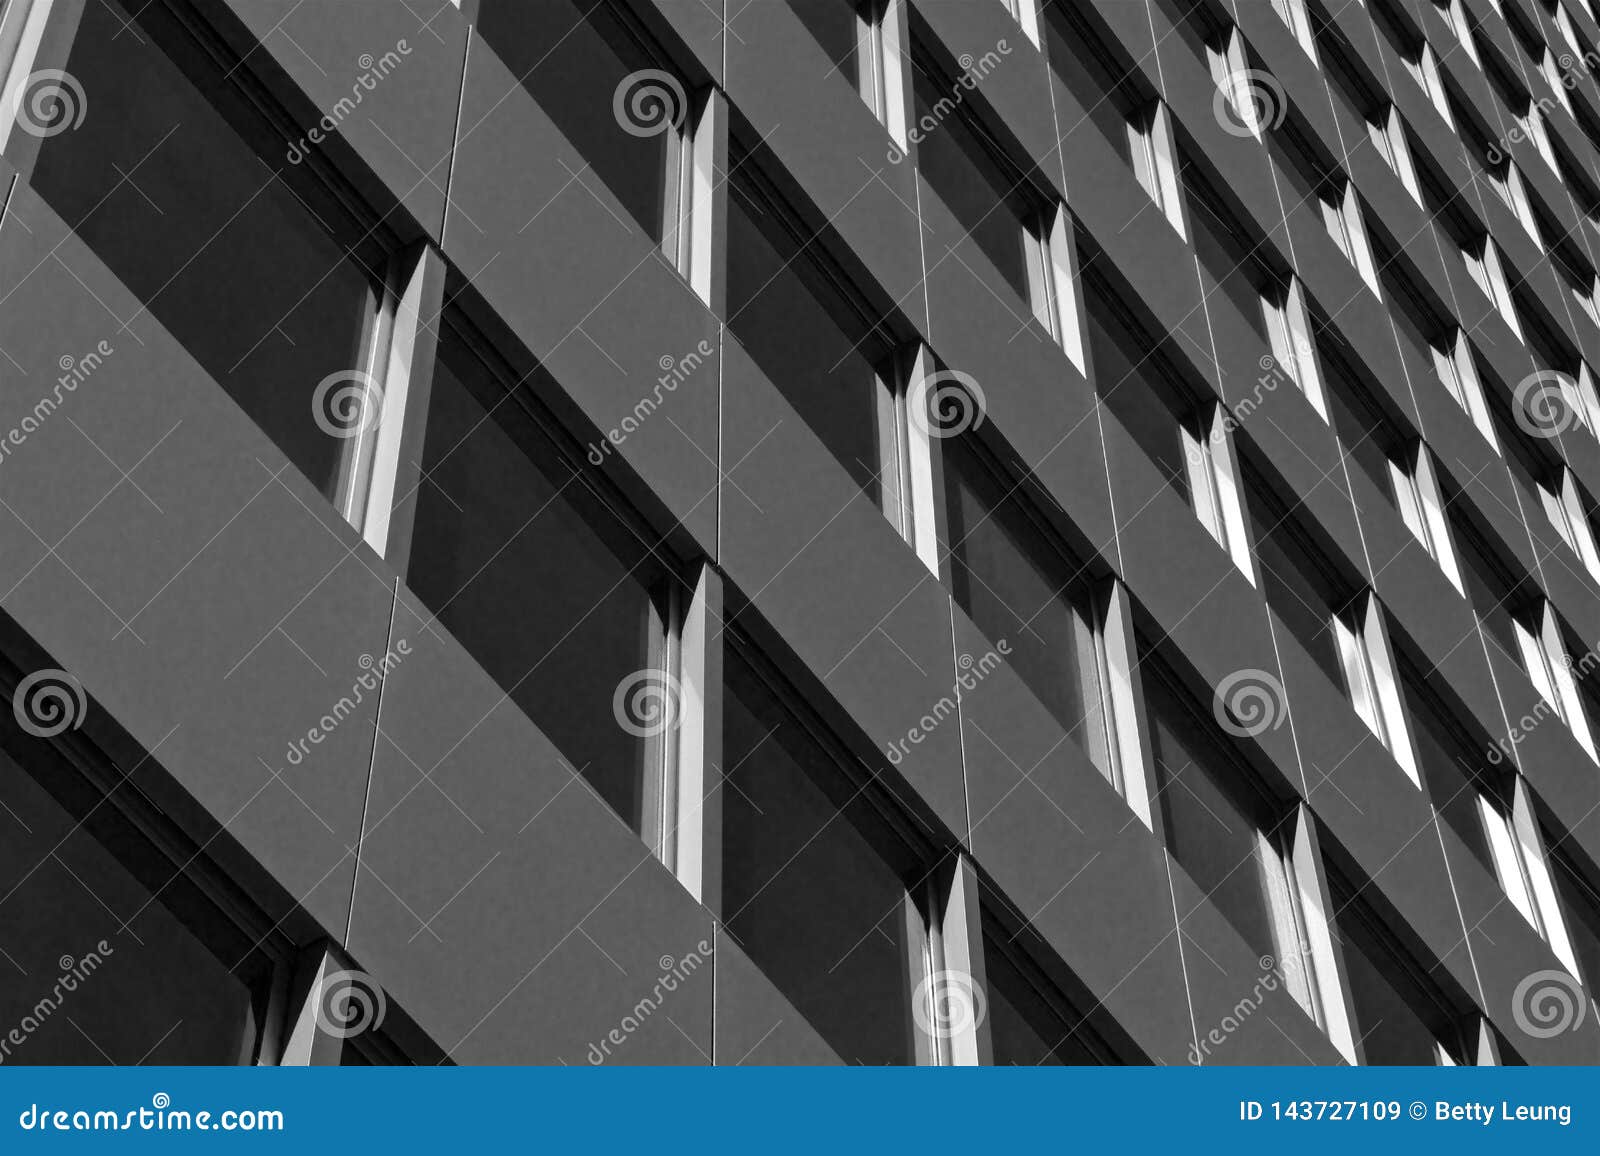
point(800, 531)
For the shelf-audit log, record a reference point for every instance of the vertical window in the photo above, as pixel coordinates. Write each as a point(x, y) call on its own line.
point(1424, 69)
point(1289, 332)
point(1230, 72)
point(502, 513)
point(1457, 370)
point(1341, 216)
point(1552, 74)
point(233, 262)
point(1229, 834)
point(1401, 1018)
point(1025, 13)
point(1568, 513)
point(1294, 15)
point(1416, 494)
point(1483, 264)
point(1456, 15)
point(1030, 1022)
point(1154, 164)
point(1532, 122)
point(797, 315)
point(1213, 485)
point(1018, 587)
point(851, 33)
point(816, 887)
point(1544, 657)
point(1389, 137)
point(1569, 32)
point(1369, 679)
point(1053, 291)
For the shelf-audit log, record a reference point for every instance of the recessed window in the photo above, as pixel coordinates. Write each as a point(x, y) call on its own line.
point(1532, 121)
point(212, 240)
point(1341, 216)
point(1544, 656)
point(1025, 13)
point(1506, 181)
point(1388, 135)
point(1416, 493)
point(1424, 68)
point(812, 887)
point(851, 33)
point(794, 312)
point(1294, 15)
point(1154, 164)
point(562, 603)
point(112, 955)
point(1030, 1022)
point(1568, 512)
point(1213, 485)
point(1483, 264)
point(1552, 74)
point(1019, 588)
point(1457, 371)
point(1283, 308)
point(1230, 72)
point(1233, 839)
point(1569, 31)
point(1456, 15)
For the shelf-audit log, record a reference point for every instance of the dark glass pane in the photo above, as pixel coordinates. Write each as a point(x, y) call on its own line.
point(214, 244)
point(1365, 433)
point(1396, 1022)
point(1488, 592)
point(1012, 586)
point(81, 988)
point(836, 26)
point(804, 340)
point(1132, 388)
point(508, 552)
point(578, 88)
point(988, 203)
point(803, 890)
point(1581, 904)
point(1450, 768)
point(1023, 1028)
point(1296, 584)
point(1210, 827)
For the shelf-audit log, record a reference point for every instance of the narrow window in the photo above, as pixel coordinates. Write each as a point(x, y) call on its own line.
point(1424, 69)
point(1566, 509)
point(1483, 264)
point(851, 33)
point(1289, 334)
point(1552, 74)
point(1025, 13)
point(1532, 122)
point(1457, 371)
point(1569, 32)
point(1389, 137)
point(1294, 15)
point(1150, 146)
point(1341, 216)
point(1213, 486)
point(1456, 15)
point(1230, 72)
point(1416, 493)
point(1544, 657)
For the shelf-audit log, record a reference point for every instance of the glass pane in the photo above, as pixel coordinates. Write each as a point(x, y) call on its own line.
point(1396, 1023)
point(806, 340)
point(623, 124)
point(804, 891)
point(509, 554)
point(1210, 827)
point(837, 28)
point(1004, 576)
point(214, 244)
point(1450, 768)
point(1023, 1028)
point(82, 988)
point(987, 202)
point(1296, 586)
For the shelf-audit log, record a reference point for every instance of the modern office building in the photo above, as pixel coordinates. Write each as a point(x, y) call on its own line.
point(799, 531)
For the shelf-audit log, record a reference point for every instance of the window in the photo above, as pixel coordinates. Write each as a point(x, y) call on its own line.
point(1532, 122)
point(1552, 74)
point(1569, 32)
point(1580, 900)
point(608, 68)
point(1150, 145)
point(996, 205)
point(1568, 513)
point(1416, 495)
point(501, 513)
point(155, 972)
point(1230, 835)
point(1293, 14)
point(798, 317)
point(1283, 306)
point(1213, 485)
point(1456, 15)
point(1369, 680)
point(1483, 264)
point(1025, 13)
point(233, 262)
point(1389, 137)
point(1457, 370)
point(1231, 73)
point(1401, 1018)
point(1544, 656)
point(1341, 216)
point(853, 35)
point(1018, 587)
point(1506, 180)
point(1424, 69)
point(1030, 1022)
point(816, 884)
